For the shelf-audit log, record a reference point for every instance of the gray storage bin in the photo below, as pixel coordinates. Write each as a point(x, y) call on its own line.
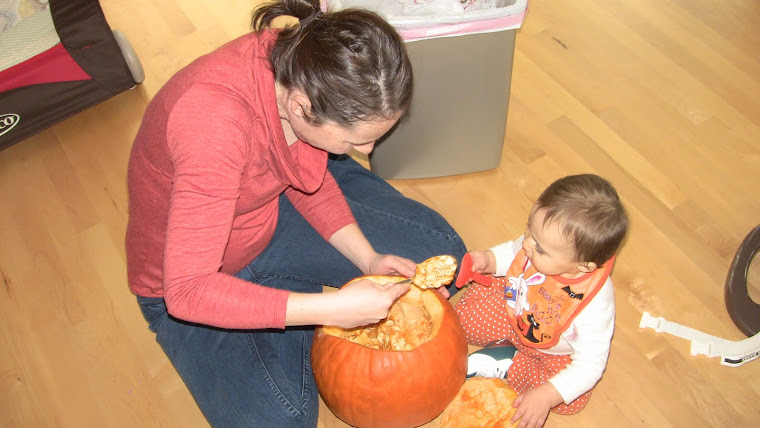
point(457, 121)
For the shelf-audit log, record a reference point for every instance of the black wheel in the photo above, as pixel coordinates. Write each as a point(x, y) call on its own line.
point(743, 310)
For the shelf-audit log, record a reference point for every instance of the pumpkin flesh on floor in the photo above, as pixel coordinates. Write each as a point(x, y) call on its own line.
point(481, 403)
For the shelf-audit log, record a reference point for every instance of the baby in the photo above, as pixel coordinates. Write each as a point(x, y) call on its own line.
point(552, 301)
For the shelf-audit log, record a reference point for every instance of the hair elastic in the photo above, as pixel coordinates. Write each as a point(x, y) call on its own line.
point(306, 21)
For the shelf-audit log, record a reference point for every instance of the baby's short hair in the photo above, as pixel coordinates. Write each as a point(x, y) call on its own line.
point(589, 213)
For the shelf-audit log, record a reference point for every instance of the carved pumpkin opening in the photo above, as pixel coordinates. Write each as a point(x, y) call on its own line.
point(413, 320)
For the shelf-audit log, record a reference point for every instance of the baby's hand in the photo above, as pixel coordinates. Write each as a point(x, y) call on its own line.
point(483, 261)
point(533, 406)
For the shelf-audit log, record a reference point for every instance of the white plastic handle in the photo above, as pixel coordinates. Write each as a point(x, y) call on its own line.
point(732, 354)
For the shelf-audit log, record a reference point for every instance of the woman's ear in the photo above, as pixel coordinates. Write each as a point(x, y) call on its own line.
point(299, 104)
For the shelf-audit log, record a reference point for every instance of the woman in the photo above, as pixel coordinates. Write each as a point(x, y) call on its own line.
point(243, 204)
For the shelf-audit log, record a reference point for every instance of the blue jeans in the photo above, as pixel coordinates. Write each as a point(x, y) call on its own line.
point(263, 378)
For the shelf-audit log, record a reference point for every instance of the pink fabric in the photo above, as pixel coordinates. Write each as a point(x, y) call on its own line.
point(207, 167)
point(509, 22)
point(50, 66)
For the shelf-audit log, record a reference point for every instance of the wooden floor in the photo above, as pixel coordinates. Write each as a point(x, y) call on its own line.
point(660, 97)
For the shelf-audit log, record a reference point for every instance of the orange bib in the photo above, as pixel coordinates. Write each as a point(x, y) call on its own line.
point(540, 308)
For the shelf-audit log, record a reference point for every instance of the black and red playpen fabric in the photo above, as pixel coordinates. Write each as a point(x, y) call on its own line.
point(57, 58)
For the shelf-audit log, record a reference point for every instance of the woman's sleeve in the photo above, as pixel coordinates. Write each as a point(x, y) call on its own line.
point(326, 210)
point(209, 156)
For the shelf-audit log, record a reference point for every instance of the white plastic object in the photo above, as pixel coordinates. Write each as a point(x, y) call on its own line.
point(732, 354)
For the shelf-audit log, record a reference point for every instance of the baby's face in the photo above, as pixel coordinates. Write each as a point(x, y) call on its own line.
point(548, 250)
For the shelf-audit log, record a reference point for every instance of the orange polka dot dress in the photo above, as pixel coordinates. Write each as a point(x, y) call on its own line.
point(482, 312)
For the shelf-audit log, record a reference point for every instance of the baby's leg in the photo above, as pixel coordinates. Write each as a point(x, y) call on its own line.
point(482, 313)
point(531, 368)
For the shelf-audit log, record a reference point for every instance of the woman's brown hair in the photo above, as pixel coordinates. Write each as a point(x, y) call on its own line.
point(352, 64)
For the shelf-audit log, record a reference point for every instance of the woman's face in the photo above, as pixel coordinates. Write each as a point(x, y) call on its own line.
point(330, 136)
point(338, 140)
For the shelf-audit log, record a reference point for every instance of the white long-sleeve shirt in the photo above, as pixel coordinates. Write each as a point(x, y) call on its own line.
point(587, 340)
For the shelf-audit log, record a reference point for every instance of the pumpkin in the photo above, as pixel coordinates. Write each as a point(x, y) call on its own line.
point(400, 372)
point(481, 403)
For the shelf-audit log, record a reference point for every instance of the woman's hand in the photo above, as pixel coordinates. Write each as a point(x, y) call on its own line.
point(388, 264)
point(364, 302)
point(356, 304)
point(533, 406)
point(396, 265)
